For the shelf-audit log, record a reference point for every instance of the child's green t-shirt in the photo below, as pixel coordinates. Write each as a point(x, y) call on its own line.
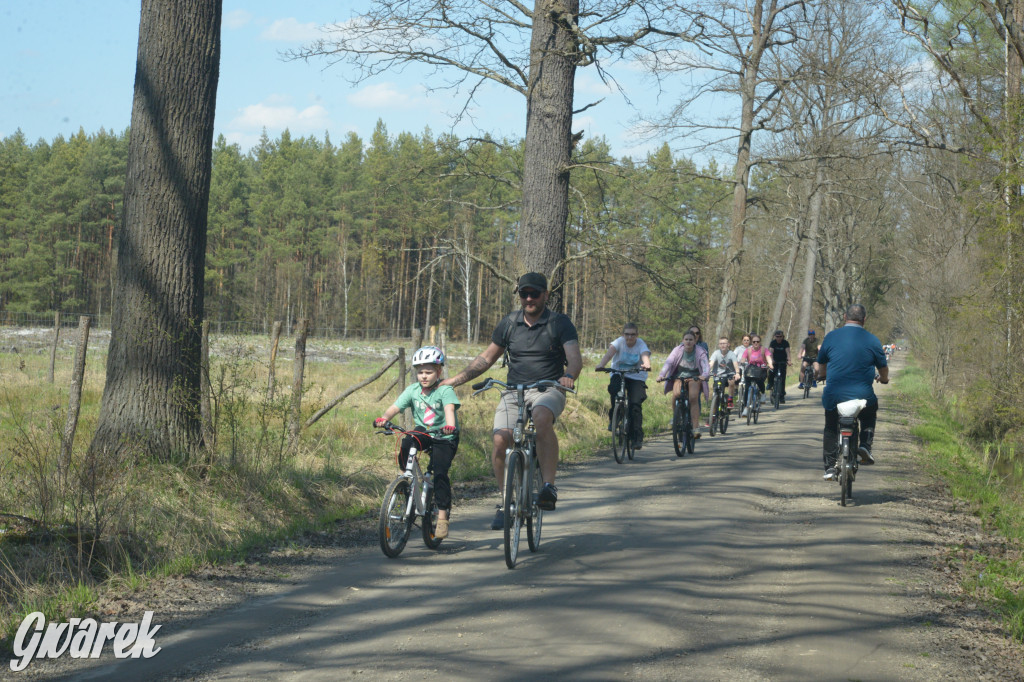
point(428, 408)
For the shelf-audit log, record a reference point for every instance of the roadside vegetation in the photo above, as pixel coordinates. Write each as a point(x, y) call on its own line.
point(111, 525)
point(987, 476)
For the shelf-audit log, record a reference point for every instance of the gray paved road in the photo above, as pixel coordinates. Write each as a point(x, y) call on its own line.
point(735, 563)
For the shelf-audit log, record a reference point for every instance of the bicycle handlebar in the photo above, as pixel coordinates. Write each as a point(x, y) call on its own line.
point(389, 429)
point(609, 370)
point(543, 384)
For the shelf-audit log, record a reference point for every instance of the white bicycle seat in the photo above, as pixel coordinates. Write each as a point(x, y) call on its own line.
point(851, 408)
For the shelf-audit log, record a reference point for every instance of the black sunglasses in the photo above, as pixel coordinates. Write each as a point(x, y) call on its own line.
point(529, 293)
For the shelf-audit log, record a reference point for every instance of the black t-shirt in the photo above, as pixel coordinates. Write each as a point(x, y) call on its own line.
point(536, 352)
point(778, 349)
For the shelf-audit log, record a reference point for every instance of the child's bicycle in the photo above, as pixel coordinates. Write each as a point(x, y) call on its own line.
point(409, 496)
point(622, 440)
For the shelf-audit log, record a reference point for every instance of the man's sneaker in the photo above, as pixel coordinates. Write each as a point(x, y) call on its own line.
point(865, 455)
point(800, 385)
point(547, 497)
point(499, 519)
point(782, 400)
point(831, 474)
point(638, 443)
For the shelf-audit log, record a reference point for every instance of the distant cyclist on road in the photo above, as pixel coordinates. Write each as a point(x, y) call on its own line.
point(723, 362)
point(779, 348)
point(849, 358)
point(629, 350)
point(808, 355)
point(687, 361)
point(541, 344)
point(758, 357)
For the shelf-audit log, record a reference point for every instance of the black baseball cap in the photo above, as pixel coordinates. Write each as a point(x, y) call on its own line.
point(533, 280)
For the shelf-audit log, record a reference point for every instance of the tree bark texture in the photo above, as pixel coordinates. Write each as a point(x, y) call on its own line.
point(540, 243)
point(151, 398)
point(810, 268)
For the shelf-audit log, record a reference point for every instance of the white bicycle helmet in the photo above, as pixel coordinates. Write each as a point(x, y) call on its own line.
point(428, 355)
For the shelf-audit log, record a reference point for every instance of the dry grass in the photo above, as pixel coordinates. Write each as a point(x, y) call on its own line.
point(113, 523)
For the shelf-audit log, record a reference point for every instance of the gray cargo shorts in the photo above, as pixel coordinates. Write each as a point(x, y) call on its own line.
point(507, 412)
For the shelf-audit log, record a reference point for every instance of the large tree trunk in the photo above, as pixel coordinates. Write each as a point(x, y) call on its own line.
point(151, 398)
point(540, 245)
point(785, 283)
point(810, 269)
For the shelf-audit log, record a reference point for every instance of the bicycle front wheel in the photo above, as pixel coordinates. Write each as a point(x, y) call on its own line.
point(535, 520)
point(619, 435)
point(396, 517)
point(513, 505)
point(776, 393)
point(713, 426)
point(430, 522)
point(807, 386)
point(678, 429)
point(723, 420)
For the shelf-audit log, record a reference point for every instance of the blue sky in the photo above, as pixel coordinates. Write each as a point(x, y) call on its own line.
point(71, 64)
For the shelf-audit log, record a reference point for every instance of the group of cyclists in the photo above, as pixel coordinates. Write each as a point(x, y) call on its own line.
point(541, 344)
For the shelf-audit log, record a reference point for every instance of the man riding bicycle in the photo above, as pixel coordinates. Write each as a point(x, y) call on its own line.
point(808, 355)
point(849, 358)
point(541, 344)
point(629, 350)
point(779, 348)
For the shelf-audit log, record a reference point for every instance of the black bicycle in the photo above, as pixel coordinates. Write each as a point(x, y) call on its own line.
point(753, 404)
point(778, 388)
point(622, 441)
point(408, 497)
point(848, 435)
point(523, 480)
point(808, 379)
point(720, 405)
point(682, 429)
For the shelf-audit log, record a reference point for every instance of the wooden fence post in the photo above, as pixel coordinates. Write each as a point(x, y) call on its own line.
point(275, 338)
point(74, 397)
point(205, 411)
point(402, 373)
point(300, 367)
point(53, 349)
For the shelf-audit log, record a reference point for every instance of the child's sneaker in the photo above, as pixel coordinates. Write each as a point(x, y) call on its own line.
point(441, 530)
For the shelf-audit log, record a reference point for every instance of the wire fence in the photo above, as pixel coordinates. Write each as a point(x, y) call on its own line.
point(68, 320)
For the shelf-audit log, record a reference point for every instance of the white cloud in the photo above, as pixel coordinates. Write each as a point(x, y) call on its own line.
point(237, 18)
point(382, 96)
point(291, 30)
point(276, 117)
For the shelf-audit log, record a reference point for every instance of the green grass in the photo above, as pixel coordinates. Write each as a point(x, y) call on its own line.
point(153, 520)
point(994, 498)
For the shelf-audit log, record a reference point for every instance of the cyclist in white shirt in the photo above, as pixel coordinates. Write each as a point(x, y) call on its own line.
point(724, 363)
point(629, 350)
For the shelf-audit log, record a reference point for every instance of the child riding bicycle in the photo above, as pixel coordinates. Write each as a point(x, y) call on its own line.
point(434, 411)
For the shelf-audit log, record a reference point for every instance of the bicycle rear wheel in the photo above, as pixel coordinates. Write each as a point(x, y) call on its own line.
point(678, 432)
point(513, 505)
point(430, 522)
point(395, 523)
point(845, 484)
point(535, 521)
point(619, 435)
